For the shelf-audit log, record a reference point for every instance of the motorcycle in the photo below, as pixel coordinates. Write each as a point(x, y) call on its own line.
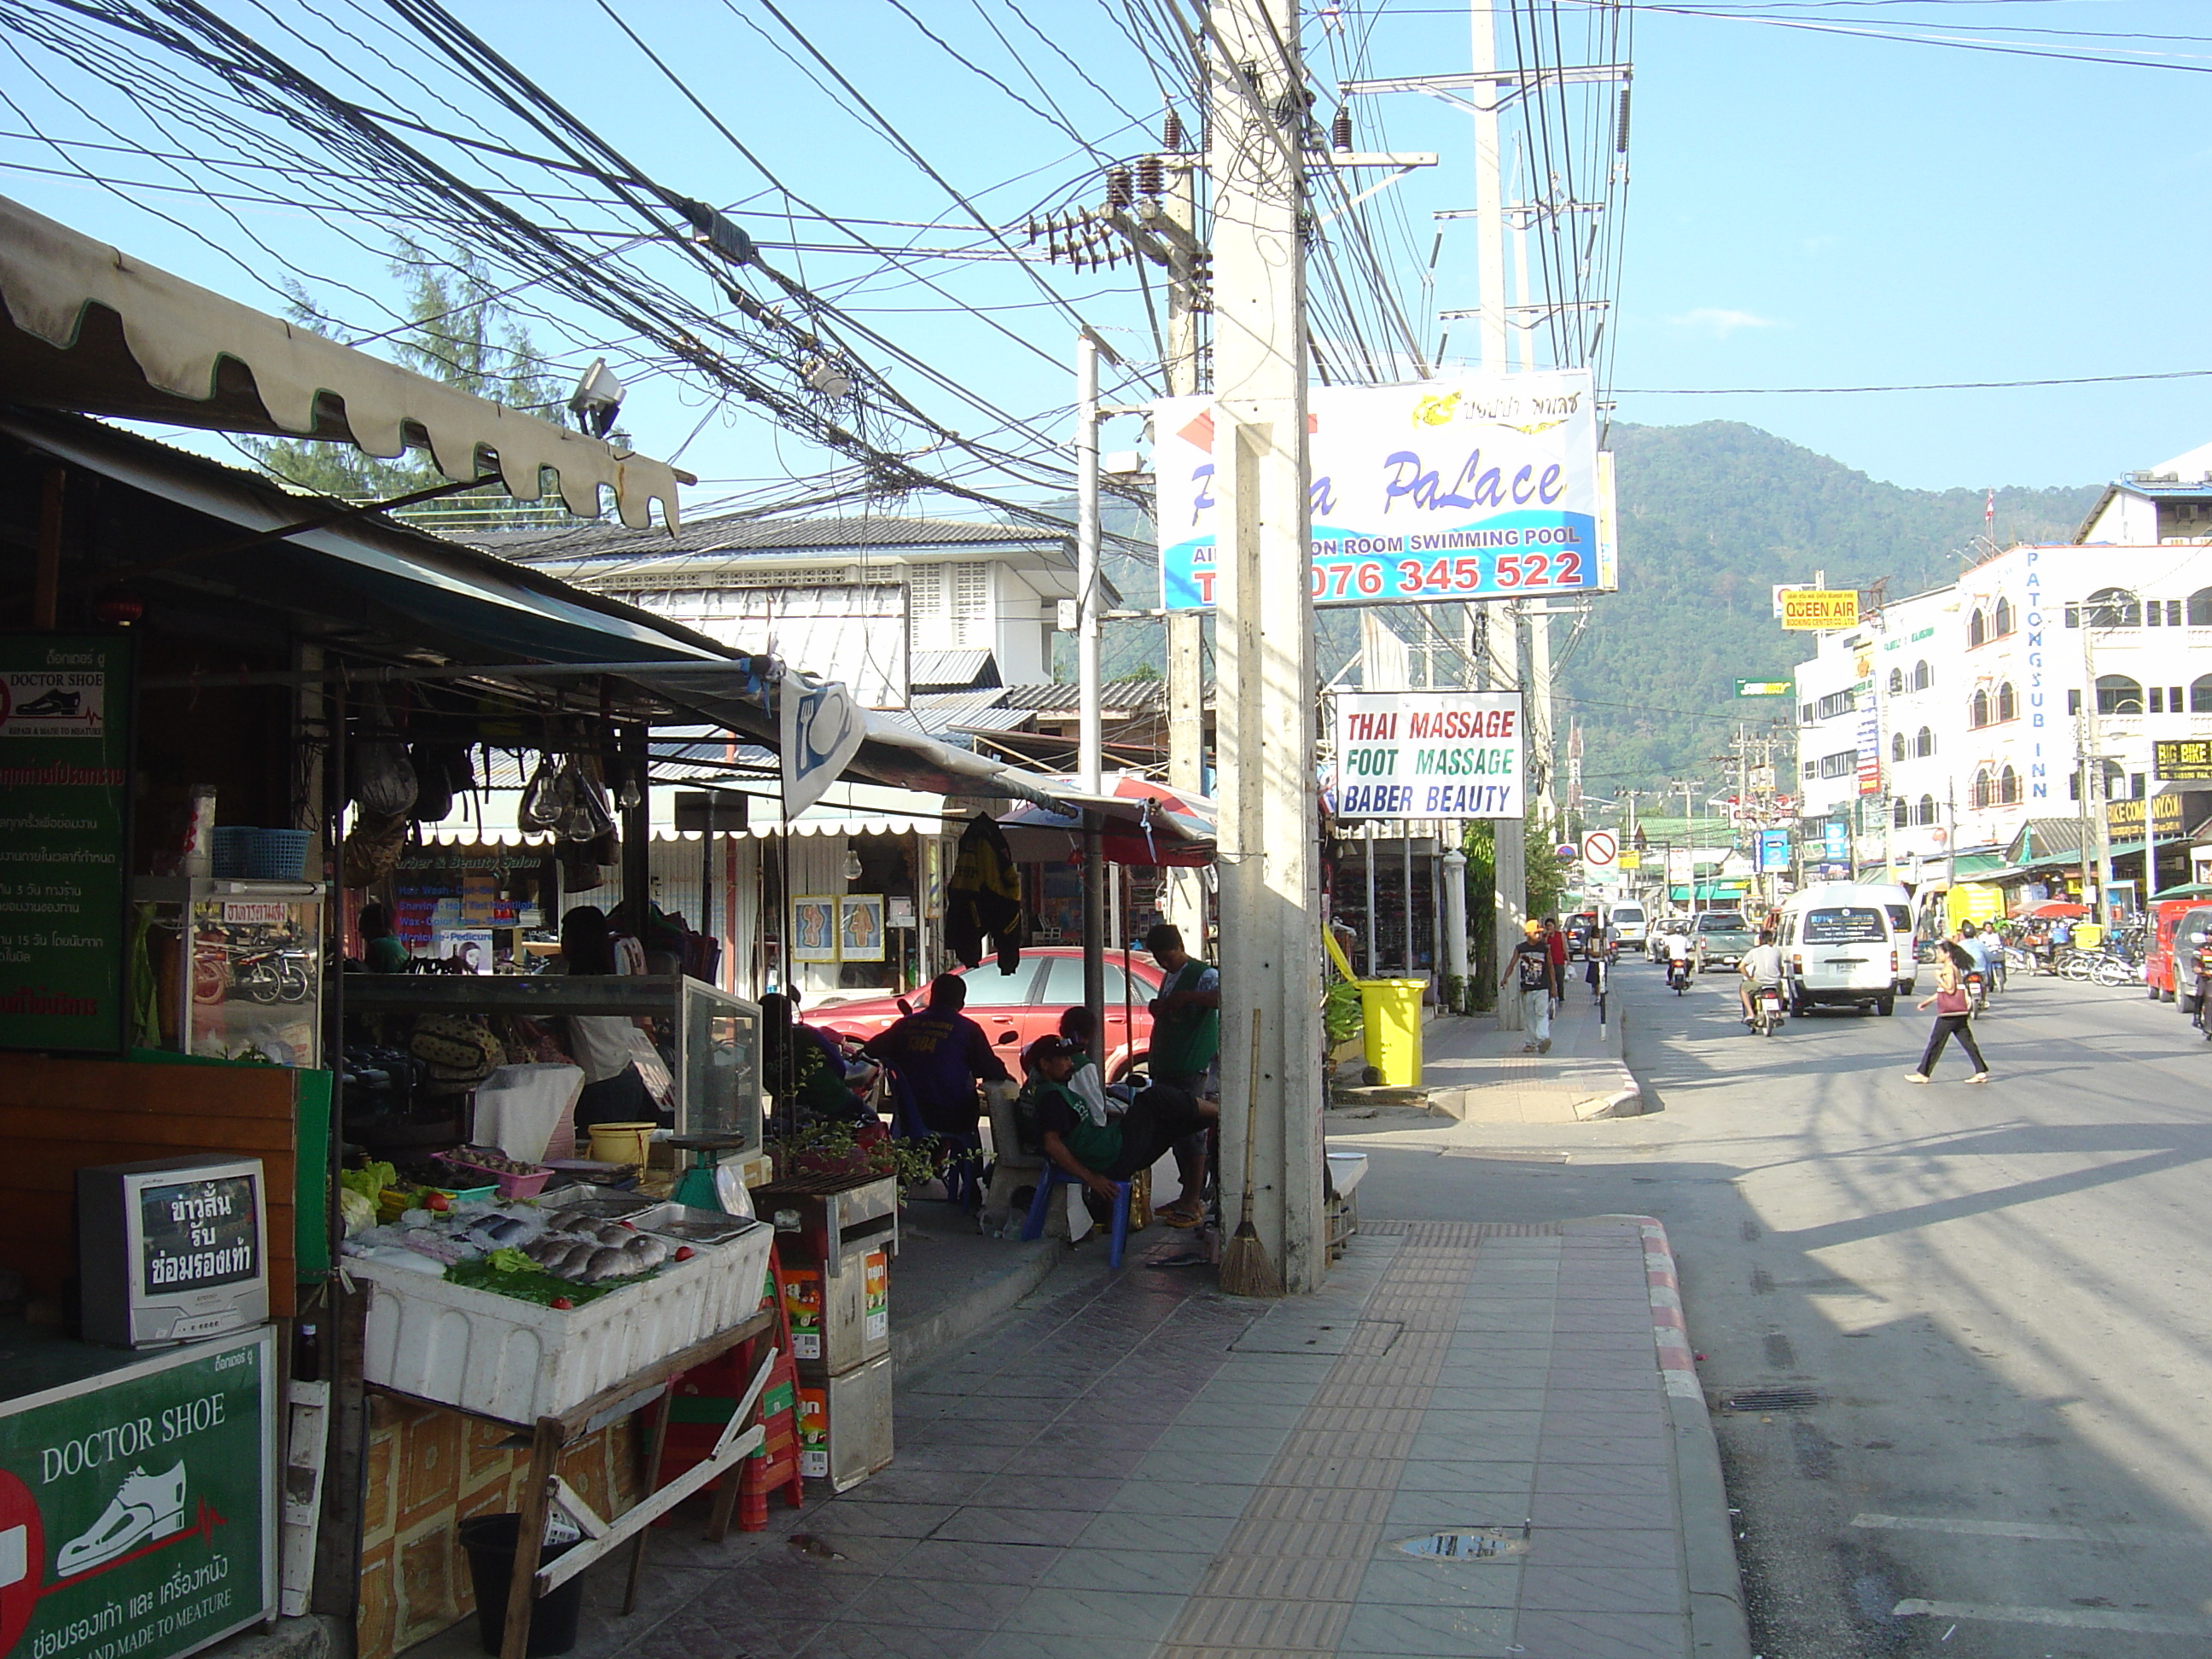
point(2202, 1015)
point(1767, 1010)
point(1978, 992)
point(1678, 974)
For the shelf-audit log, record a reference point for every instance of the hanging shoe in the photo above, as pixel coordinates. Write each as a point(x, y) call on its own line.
point(146, 1506)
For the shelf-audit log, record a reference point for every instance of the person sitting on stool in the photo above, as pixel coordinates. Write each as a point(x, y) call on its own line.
point(1096, 1151)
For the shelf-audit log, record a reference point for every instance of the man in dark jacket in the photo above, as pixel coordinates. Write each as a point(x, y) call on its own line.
point(940, 1055)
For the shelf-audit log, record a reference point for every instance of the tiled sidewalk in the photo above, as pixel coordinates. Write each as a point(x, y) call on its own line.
point(1135, 1466)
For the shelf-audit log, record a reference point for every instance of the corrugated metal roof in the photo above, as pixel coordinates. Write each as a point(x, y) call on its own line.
point(954, 670)
point(749, 535)
point(1122, 697)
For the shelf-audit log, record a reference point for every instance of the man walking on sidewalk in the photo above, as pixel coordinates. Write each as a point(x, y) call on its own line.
point(1530, 968)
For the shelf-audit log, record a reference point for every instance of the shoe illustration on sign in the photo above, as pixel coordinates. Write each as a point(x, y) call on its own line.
point(145, 1508)
point(55, 705)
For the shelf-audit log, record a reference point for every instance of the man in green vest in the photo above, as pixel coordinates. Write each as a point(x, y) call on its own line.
point(1098, 1151)
point(1186, 1043)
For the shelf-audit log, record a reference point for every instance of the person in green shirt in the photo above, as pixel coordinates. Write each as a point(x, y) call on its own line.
point(1082, 1140)
point(1186, 1041)
point(382, 951)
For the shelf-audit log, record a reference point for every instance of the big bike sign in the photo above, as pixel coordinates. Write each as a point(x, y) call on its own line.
point(1427, 755)
point(1475, 487)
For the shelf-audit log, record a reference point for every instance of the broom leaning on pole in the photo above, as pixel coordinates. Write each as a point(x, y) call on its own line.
point(1245, 1269)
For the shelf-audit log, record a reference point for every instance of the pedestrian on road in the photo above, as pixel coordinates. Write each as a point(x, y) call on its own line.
point(1555, 952)
point(1530, 968)
point(1954, 1016)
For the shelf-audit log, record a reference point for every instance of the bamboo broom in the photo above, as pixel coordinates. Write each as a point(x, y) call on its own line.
point(1245, 1269)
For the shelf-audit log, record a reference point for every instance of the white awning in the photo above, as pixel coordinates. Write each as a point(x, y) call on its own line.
point(849, 809)
point(99, 333)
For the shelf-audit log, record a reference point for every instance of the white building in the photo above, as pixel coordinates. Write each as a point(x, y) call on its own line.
point(853, 600)
point(1955, 721)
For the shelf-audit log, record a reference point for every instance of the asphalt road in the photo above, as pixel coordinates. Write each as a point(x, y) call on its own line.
point(1997, 1301)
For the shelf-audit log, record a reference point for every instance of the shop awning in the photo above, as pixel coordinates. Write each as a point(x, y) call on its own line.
point(1144, 823)
point(97, 332)
point(1709, 893)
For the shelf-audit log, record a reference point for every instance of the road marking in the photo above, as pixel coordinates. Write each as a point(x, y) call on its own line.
point(2040, 1531)
point(2140, 1624)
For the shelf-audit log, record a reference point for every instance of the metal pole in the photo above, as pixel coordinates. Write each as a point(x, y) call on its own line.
point(1405, 865)
point(1265, 713)
point(1367, 860)
point(1489, 186)
point(1088, 743)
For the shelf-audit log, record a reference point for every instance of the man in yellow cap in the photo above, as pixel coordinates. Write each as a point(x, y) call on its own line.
point(1529, 969)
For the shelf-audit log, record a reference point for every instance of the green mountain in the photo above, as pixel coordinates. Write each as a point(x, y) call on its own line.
point(1712, 516)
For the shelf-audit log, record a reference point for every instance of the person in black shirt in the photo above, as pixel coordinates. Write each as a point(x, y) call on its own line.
point(1530, 968)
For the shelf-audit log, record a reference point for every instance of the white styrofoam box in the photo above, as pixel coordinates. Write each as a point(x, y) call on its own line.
point(517, 1361)
point(1346, 1169)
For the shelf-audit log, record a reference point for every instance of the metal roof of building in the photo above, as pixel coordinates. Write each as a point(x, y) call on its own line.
point(733, 534)
point(953, 670)
point(1121, 697)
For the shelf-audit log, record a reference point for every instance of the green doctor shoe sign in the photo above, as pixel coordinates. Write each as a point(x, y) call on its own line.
point(136, 1519)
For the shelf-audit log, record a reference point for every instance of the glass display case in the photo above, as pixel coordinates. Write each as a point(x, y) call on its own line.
point(715, 1035)
point(237, 967)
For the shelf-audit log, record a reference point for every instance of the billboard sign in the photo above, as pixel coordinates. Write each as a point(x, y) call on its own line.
point(2185, 760)
point(1773, 850)
point(1869, 757)
point(1836, 842)
point(1817, 609)
point(1470, 487)
point(1764, 688)
point(1427, 755)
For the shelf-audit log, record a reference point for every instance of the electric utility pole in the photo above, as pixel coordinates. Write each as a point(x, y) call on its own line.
point(1265, 716)
point(1185, 891)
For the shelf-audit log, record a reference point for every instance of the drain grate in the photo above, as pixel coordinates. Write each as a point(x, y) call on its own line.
point(1772, 1399)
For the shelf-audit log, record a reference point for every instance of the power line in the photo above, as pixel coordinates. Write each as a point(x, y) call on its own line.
point(1935, 386)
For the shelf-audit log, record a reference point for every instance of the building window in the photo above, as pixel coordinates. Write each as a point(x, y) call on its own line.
point(2118, 695)
point(1977, 711)
point(1804, 713)
point(1897, 747)
point(2174, 700)
point(2200, 694)
point(1811, 768)
point(1924, 742)
point(1978, 628)
point(2157, 695)
point(1925, 813)
point(2007, 703)
point(1841, 764)
point(2136, 785)
point(1921, 676)
point(2009, 787)
point(1896, 681)
point(2114, 607)
point(1835, 704)
point(1978, 796)
point(2173, 613)
point(2073, 703)
point(2200, 608)
point(2001, 622)
point(1900, 813)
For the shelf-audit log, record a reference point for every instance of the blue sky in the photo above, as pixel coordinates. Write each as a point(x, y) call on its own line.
point(1806, 209)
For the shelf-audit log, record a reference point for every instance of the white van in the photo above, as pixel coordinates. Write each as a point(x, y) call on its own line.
point(1628, 922)
point(1847, 944)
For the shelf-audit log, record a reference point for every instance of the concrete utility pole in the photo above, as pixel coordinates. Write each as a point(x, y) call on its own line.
point(1186, 890)
point(2094, 792)
point(1510, 900)
point(1089, 745)
point(1265, 715)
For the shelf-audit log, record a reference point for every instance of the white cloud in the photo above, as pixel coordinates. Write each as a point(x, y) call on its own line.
point(1720, 322)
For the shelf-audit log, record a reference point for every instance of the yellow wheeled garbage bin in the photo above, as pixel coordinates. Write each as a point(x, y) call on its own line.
point(1391, 1010)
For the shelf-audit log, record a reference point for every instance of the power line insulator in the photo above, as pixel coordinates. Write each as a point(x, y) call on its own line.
point(1171, 133)
point(1339, 131)
point(1121, 190)
point(1621, 126)
point(1152, 177)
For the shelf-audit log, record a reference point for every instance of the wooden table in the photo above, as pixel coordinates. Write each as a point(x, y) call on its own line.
point(545, 1491)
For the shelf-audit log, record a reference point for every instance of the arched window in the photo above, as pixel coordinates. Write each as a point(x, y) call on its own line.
point(2118, 695)
point(2112, 607)
point(2007, 703)
point(2009, 787)
point(1977, 714)
point(2200, 608)
point(1900, 813)
point(2200, 694)
point(1924, 742)
point(1897, 747)
point(1978, 628)
point(2001, 622)
point(1926, 812)
point(1896, 681)
point(1921, 676)
point(1978, 796)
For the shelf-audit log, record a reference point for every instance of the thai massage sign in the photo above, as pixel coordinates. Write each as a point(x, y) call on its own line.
point(136, 1512)
point(1427, 755)
point(64, 788)
point(1476, 487)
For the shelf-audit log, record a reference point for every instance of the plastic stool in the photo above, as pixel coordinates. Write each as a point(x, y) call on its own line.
point(1055, 1179)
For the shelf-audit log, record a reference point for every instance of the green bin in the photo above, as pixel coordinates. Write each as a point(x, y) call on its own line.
point(1391, 1010)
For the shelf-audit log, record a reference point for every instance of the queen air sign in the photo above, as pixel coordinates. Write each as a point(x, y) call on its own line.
point(1473, 487)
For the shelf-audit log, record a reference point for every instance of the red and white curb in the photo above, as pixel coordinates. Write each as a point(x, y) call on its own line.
point(1678, 1366)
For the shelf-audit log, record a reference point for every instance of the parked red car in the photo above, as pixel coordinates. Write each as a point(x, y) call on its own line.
point(1018, 1008)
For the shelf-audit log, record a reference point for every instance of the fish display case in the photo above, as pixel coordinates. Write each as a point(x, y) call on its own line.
point(237, 967)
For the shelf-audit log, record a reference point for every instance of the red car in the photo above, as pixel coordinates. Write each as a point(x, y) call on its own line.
point(1016, 1009)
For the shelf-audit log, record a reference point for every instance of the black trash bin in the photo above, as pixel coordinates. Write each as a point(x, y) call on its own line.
point(489, 1540)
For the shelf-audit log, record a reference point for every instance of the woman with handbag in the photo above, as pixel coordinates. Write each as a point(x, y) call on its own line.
point(1953, 1017)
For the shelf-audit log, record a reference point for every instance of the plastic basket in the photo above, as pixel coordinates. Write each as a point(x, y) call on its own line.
point(528, 1184)
point(230, 850)
point(276, 854)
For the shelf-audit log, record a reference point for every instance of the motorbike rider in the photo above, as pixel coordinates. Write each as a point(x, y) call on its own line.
point(1982, 947)
point(1761, 967)
point(1678, 954)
